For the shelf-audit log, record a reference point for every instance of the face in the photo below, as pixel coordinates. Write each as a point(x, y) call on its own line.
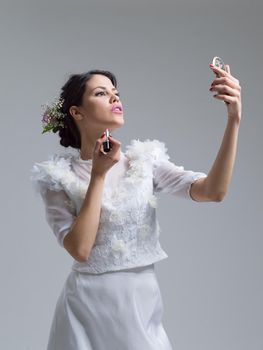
point(98, 100)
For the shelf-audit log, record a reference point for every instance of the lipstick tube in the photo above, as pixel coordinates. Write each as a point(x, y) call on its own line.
point(107, 144)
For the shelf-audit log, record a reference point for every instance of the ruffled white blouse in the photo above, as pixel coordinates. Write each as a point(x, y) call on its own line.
point(128, 232)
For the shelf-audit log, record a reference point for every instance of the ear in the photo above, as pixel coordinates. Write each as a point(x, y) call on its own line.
point(75, 113)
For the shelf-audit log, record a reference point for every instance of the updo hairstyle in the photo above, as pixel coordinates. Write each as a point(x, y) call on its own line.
point(72, 93)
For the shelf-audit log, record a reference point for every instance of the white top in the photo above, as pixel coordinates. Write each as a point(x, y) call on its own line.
point(128, 232)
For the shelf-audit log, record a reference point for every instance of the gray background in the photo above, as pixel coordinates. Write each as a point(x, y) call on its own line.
point(160, 51)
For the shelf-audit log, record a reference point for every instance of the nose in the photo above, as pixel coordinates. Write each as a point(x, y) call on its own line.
point(114, 98)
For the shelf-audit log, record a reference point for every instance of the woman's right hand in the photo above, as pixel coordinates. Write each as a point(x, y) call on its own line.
point(102, 161)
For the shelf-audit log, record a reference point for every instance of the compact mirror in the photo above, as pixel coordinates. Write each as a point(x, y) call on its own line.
point(218, 62)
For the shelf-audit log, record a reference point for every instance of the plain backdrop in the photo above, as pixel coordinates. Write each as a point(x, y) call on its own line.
point(160, 51)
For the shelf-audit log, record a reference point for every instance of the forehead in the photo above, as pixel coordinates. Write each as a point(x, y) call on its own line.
point(99, 80)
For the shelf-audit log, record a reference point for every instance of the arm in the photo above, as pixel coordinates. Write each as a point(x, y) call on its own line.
point(81, 237)
point(216, 184)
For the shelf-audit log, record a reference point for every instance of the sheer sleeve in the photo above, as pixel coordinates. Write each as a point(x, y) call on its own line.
point(171, 178)
point(60, 212)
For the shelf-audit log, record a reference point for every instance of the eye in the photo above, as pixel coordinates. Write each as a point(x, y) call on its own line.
point(101, 92)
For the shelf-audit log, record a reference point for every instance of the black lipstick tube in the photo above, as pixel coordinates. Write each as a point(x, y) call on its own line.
point(107, 144)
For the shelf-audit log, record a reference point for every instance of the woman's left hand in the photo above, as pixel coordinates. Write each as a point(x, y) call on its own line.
point(228, 90)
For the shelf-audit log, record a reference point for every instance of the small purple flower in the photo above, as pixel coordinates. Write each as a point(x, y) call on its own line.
point(52, 116)
point(46, 118)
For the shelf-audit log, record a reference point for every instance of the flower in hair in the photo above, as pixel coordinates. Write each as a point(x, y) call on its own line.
point(52, 117)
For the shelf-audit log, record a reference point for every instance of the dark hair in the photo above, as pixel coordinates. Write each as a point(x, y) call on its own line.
point(72, 93)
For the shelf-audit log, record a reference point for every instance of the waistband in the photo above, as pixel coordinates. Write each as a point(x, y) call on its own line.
point(137, 269)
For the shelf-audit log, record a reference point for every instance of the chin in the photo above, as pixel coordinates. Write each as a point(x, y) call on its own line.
point(114, 126)
point(119, 122)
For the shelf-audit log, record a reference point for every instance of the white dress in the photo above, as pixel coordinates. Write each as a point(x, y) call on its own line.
point(112, 300)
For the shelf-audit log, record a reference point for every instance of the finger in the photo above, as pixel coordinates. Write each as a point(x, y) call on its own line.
point(225, 98)
point(98, 145)
point(228, 68)
point(223, 73)
point(114, 140)
point(231, 76)
point(102, 149)
point(225, 89)
point(226, 81)
point(219, 71)
point(217, 74)
point(115, 144)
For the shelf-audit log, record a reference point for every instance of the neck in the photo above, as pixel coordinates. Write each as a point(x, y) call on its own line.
point(88, 143)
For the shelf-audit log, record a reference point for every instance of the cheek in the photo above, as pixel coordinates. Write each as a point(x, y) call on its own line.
point(98, 110)
point(97, 104)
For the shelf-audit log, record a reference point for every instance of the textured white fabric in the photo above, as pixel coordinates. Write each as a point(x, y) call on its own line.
point(128, 233)
point(120, 310)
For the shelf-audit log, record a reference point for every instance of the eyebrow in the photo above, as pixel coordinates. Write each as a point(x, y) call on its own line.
point(103, 87)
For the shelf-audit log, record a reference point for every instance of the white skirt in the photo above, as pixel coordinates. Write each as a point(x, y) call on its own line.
point(117, 310)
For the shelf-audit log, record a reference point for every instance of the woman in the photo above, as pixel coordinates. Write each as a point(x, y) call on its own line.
point(101, 207)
